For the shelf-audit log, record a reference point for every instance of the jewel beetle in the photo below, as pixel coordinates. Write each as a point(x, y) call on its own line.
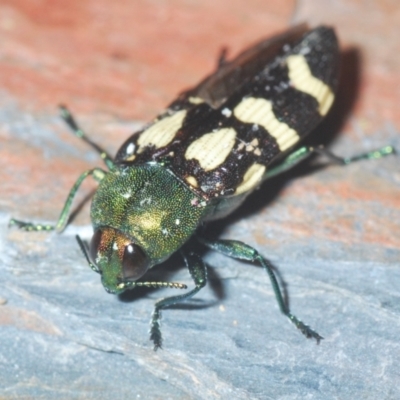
point(200, 158)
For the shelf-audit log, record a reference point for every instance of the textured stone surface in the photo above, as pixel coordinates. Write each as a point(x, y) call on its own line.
point(333, 233)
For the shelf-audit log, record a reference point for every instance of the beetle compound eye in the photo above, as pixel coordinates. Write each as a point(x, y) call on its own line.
point(94, 245)
point(135, 262)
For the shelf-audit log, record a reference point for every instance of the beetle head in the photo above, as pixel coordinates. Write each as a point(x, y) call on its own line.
point(117, 258)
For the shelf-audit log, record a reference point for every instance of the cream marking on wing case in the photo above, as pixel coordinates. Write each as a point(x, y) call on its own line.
point(192, 181)
point(303, 80)
point(162, 132)
point(212, 149)
point(251, 178)
point(259, 111)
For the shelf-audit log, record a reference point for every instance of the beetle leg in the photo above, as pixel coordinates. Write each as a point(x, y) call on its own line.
point(198, 271)
point(304, 152)
point(222, 58)
point(370, 155)
point(70, 121)
point(97, 173)
point(241, 251)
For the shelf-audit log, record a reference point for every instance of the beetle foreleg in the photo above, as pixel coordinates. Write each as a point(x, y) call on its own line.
point(98, 175)
point(198, 271)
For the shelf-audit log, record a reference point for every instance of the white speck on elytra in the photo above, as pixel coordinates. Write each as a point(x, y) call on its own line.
point(226, 112)
point(177, 222)
point(130, 149)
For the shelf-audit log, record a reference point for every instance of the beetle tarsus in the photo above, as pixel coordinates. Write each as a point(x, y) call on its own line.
point(30, 226)
point(155, 331)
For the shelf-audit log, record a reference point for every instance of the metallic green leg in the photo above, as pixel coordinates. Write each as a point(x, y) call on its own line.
point(304, 152)
point(97, 173)
point(70, 121)
point(370, 155)
point(198, 271)
point(241, 251)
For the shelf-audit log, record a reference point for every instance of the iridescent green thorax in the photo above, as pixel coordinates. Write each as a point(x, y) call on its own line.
point(150, 206)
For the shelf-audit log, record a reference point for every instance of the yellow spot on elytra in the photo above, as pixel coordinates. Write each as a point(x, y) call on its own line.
point(259, 111)
point(249, 148)
point(254, 142)
point(196, 100)
point(303, 80)
point(191, 180)
point(212, 149)
point(161, 132)
point(130, 158)
point(251, 178)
